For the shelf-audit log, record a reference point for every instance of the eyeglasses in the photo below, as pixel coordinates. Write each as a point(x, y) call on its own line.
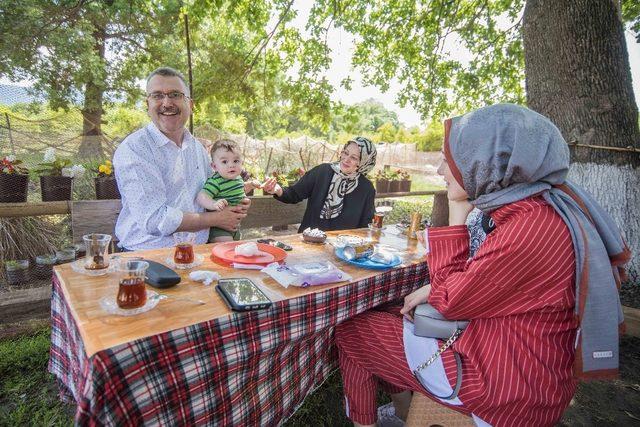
point(173, 96)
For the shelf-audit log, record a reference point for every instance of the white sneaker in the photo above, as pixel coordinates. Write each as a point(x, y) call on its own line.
point(387, 416)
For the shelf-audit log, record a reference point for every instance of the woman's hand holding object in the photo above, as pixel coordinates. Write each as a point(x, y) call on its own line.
point(415, 298)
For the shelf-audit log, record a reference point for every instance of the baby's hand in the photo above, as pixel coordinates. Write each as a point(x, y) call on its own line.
point(255, 183)
point(220, 205)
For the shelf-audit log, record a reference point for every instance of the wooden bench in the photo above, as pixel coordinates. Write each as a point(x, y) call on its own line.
point(100, 216)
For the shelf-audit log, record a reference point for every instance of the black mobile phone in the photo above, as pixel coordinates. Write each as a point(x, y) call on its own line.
point(241, 294)
point(276, 244)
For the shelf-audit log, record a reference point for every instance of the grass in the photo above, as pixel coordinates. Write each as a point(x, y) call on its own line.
point(29, 394)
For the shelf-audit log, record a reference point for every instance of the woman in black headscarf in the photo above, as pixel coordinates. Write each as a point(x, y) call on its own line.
point(339, 194)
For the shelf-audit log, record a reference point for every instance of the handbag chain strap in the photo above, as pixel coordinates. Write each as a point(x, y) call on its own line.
point(441, 350)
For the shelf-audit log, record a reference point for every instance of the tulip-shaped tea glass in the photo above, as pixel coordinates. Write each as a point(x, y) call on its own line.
point(97, 256)
point(131, 289)
point(183, 256)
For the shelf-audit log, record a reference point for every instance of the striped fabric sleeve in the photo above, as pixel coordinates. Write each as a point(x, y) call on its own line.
point(512, 272)
point(211, 188)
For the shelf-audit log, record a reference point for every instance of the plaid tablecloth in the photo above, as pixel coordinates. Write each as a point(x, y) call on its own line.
point(251, 368)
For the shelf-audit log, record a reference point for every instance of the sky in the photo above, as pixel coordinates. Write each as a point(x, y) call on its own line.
point(341, 44)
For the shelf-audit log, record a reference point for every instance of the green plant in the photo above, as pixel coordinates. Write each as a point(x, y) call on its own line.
point(382, 174)
point(104, 170)
point(10, 165)
point(295, 174)
point(16, 264)
point(393, 175)
point(52, 166)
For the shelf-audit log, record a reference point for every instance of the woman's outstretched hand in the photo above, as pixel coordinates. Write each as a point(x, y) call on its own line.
point(415, 298)
point(271, 186)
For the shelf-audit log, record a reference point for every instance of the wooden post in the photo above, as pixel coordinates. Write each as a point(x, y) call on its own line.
point(322, 156)
point(13, 149)
point(302, 159)
point(266, 169)
point(440, 211)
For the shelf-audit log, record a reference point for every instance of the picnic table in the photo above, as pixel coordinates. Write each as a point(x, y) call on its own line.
point(182, 363)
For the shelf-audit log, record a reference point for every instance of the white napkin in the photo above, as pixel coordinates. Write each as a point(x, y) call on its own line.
point(204, 276)
point(247, 266)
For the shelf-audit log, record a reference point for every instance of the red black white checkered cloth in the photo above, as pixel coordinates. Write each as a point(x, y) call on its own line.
point(251, 368)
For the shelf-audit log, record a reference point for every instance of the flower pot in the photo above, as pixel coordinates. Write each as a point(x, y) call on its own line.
point(394, 186)
point(56, 188)
point(382, 185)
point(13, 188)
point(17, 272)
point(65, 255)
point(405, 185)
point(106, 188)
point(43, 268)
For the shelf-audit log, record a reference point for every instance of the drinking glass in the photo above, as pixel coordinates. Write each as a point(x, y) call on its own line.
point(131, 289)
point(183, 256)
point(378, 218)
point(97, 256)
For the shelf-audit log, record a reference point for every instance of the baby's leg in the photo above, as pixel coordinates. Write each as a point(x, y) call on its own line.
point(222, 239)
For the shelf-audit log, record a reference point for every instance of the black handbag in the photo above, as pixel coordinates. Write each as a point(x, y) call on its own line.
point(428, 322)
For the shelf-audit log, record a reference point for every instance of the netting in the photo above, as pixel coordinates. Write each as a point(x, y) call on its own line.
point(27, 131)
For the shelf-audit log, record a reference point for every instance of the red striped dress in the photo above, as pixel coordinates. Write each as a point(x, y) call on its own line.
point(519, 290)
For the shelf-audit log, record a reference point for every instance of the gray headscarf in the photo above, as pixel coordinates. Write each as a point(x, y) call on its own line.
point(342, 184)
point(505, 153)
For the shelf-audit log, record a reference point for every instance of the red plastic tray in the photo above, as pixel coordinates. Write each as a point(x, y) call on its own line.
point(224, 254)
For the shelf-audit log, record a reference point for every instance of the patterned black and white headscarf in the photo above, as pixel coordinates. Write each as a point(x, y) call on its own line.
point(342, 184)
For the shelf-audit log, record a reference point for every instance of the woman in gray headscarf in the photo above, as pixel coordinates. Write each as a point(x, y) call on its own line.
point(540, 293)
point(339, 195)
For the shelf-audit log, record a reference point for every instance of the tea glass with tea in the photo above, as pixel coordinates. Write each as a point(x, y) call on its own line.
point(131, 288)
point(183, 255)
point(378, 218)
point(97, 254)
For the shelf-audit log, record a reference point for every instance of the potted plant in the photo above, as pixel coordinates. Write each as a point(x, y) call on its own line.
point(17, 271)
point(405, 182)
point(43, 267)
point(281, 178)
point(14, 180)
point(56, 177)
point(382, 181)
point(394, 181)
point(106, 185)
point(294, 175)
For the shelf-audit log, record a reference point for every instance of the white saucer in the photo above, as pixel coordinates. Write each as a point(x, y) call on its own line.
point(372, 228)
point(110, 305)
point(78, 267)
point(198, 259)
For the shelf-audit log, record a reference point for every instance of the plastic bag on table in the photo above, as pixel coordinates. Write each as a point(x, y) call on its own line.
point(306, 274)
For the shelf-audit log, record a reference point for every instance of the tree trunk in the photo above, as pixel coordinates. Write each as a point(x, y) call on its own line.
point(577, 74)
point(91, 145)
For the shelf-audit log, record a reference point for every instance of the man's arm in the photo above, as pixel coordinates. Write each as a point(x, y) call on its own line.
point(227, 219)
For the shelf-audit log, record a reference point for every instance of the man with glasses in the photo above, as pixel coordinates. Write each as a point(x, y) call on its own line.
point(161, 168)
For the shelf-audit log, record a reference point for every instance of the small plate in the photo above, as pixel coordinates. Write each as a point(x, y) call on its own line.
point(367, 263)
point(198, 259)
point(110, 305)
point(78, 267)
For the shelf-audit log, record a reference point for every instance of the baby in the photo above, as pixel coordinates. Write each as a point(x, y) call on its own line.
point(225, 187)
